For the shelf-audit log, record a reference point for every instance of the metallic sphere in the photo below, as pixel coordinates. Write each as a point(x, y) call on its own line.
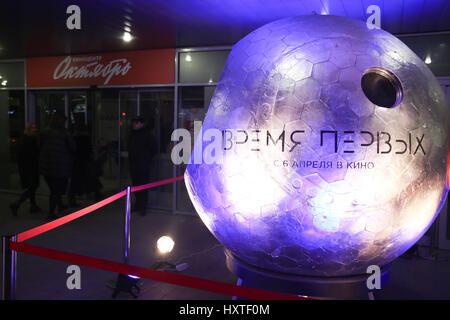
point(335, 148)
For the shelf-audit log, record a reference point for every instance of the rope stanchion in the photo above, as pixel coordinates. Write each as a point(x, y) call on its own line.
point(16, 244)
point(162, 276)
point(70, 217)
point(127, 226)
point(9, 272)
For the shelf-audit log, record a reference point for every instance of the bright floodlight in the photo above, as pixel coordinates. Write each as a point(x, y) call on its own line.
point(165, 244)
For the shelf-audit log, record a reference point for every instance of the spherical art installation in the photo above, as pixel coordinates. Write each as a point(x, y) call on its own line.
point(334, 139)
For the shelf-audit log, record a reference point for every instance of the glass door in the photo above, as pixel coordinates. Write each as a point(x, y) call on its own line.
point(193, 105)
point(105, 129)
point(72, 104)
point(12, 119)
point(156, 109)
point(79, 116)
point(47, 104)
point(106, 116)
point(128, 109)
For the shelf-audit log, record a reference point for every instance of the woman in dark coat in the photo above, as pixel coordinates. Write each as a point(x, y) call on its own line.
point(56, 160)
point(28, 163)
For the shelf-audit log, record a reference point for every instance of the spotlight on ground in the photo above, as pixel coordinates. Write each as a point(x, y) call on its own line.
point(165, 246)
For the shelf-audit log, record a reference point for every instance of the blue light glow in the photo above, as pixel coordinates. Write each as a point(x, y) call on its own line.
point(344, 192)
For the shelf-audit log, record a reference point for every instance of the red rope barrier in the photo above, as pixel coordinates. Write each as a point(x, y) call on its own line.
point(63, 220)
point(176, 279)
point(172, 278)
point(155, 184)
point(70, 217)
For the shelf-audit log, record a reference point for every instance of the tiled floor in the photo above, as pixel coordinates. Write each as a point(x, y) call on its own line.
point(100, 235)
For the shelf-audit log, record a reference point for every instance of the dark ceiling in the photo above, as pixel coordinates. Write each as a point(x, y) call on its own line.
point(38, 28)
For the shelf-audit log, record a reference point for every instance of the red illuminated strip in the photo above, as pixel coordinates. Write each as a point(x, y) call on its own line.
point(172, 278)
point(155, 184)
point(63, 220)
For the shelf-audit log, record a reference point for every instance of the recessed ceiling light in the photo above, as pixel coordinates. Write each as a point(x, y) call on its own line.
point(127, 37)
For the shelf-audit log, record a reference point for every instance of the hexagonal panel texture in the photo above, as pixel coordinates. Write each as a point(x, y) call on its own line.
point(319, 180)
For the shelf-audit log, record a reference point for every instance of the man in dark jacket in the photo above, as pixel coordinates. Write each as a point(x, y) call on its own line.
point(84, 179)
point(56, 160)
point(140, 153)
point(28, 163)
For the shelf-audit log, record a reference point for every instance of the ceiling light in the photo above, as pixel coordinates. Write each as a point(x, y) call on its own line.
point(428, 60)
point(188, 58)
point(127, 37)
point(4, 82)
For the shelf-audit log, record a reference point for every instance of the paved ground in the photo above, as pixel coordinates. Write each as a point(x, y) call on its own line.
point(100, 235)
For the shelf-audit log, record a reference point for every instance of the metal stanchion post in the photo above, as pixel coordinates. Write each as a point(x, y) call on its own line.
point(6, 268)
point(127, 226)
point(13, 270)
point(126, 283)
point(9, 262)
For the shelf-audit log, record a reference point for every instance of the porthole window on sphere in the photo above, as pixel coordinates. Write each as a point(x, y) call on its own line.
point(382, 87)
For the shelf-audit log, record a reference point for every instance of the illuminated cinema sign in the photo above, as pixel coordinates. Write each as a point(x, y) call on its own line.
point(91, 70)
point(122, 68)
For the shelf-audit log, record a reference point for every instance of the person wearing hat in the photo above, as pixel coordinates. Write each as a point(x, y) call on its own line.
point(140, 152)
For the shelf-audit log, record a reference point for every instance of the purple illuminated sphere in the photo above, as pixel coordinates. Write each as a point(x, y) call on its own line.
point(359, 173)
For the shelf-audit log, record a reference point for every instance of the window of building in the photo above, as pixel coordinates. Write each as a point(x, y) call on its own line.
point(201, 66)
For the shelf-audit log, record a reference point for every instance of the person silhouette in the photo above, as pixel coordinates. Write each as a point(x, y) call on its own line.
point(140, 153)
point(28, 165)
point(56, 161)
